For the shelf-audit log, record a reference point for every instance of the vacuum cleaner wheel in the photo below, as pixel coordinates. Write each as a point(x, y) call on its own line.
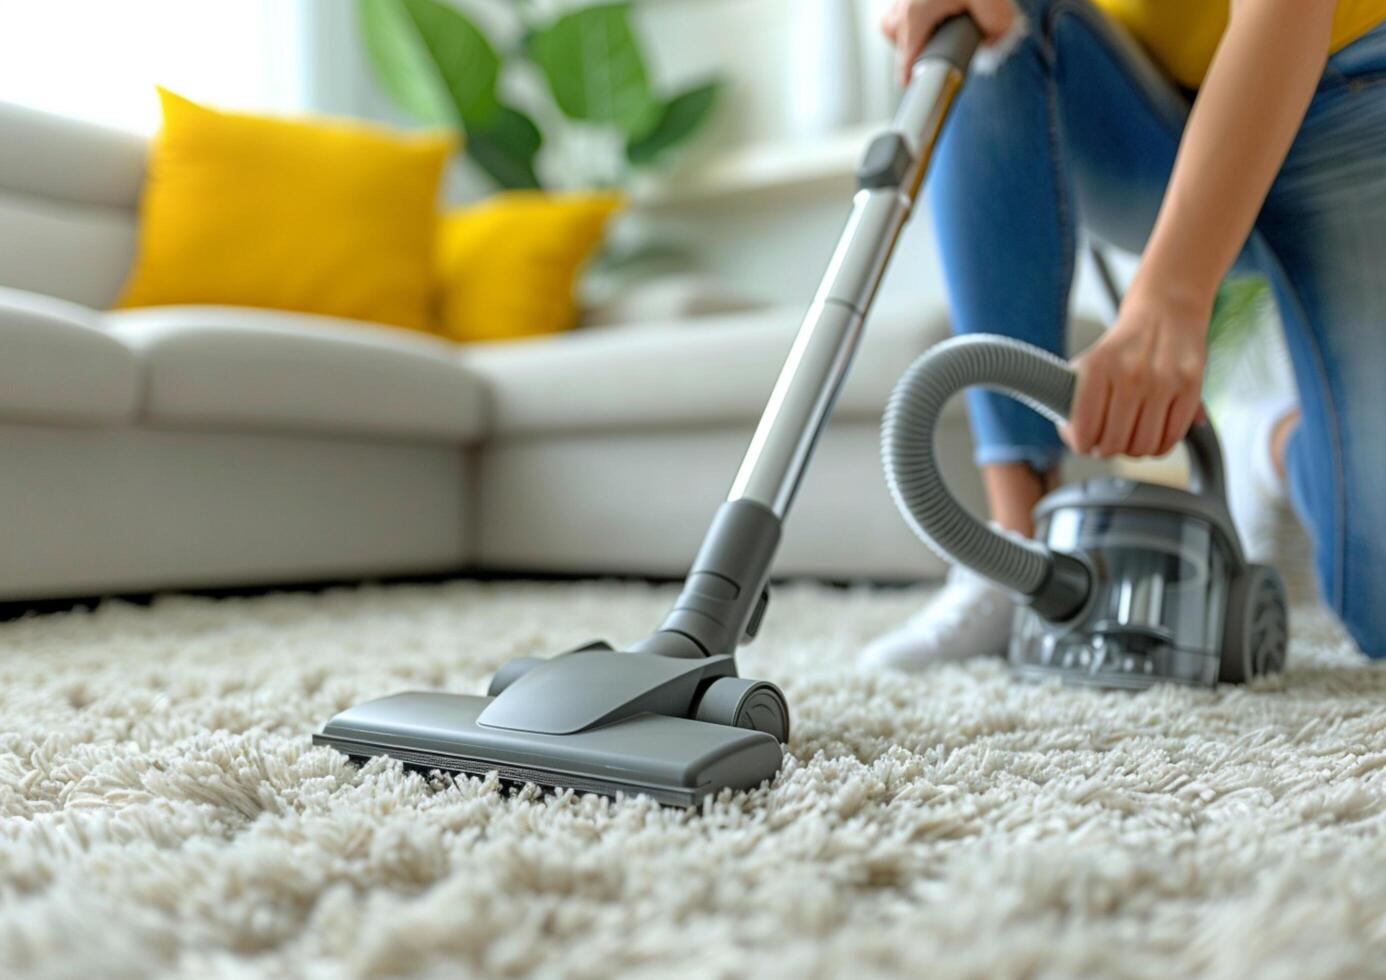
point(1258, 630)
point(742, 703)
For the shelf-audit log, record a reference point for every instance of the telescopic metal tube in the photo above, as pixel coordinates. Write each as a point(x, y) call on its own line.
point(809, 382)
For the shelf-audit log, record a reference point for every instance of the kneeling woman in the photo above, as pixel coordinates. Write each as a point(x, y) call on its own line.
point(1279, 166)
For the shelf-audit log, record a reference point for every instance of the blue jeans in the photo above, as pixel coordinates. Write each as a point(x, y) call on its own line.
point(1077, 125)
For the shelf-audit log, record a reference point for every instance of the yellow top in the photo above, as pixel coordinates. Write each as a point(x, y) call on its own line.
point(1183, 34)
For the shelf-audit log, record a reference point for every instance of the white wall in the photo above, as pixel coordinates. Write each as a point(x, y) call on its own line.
point(776, 244)
point(748, 42)
point(776, 247)
point(100, 60)
point(773, 243)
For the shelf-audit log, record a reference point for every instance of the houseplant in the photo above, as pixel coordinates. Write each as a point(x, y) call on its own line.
point(439, 64)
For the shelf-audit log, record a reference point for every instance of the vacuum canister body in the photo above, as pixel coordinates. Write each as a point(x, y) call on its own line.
point(1160, 573)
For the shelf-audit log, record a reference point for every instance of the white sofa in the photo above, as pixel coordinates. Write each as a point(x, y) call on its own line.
point(184, 447)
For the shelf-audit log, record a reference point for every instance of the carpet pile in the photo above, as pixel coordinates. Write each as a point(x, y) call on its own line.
point(162, 810)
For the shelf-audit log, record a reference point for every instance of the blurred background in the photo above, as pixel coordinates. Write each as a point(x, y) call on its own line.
point(246, 343)
point(750, 199)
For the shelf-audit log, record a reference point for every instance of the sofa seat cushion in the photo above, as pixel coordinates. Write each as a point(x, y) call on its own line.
point(240, 368)
point(59, 366)
point(709, 372)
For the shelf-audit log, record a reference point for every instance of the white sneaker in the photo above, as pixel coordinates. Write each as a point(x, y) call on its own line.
point(969, 617)
point(1255, 491)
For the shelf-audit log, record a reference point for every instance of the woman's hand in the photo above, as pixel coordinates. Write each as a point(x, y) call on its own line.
point(1140, 386)
point(910, 23)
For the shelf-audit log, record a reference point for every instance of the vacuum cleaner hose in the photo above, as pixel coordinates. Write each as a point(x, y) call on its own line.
point(1034, 376)
point(1057, 585)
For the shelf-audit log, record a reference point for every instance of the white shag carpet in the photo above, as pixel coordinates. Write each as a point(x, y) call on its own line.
point(163, 812)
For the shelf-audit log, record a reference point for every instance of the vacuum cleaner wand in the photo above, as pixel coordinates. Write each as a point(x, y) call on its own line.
point(724, 598)
point(670, 717)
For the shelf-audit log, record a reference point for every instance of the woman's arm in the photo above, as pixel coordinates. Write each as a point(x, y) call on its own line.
point(1139, 387)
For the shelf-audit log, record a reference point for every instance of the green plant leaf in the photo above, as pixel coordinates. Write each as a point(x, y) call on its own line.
point(420, 46)
point(505, 147)
point(679, 119)
point(401, 63)
point(595, 69)
point(464, 57)
point(436, 64)
point(1236, 307)
point(1241, 309)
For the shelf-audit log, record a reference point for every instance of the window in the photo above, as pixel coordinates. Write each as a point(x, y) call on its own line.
point(100, 59)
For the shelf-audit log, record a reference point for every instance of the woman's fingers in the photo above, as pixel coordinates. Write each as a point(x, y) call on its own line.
point(994, 17)
point(909, 41)
point(1138, 386)
point(1089, 410)
point(1123, 412)
point(910, 24)
point(890, 20)
point(917, 25)
point(1149, 431)
point(1116, 432)
point(1186, 410)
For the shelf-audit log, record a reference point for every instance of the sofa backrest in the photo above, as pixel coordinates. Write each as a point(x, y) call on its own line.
point(68, 192)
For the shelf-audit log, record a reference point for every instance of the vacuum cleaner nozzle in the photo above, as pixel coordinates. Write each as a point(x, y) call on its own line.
point(540, 728)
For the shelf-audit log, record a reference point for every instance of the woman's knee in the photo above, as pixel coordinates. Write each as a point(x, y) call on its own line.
point(1337, 494)
point(1363, 608)
point(1361, 567)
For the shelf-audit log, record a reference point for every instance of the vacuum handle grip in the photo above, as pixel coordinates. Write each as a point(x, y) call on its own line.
point(1049, 386)
point(1206, 476)
point(955, 40)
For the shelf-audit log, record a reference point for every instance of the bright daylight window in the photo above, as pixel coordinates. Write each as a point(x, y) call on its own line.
point(99, 60)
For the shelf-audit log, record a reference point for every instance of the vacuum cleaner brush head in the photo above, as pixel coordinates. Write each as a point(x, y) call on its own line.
point(677, 761)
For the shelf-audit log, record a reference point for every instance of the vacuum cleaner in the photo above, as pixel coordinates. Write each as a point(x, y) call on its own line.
point(1127, 585)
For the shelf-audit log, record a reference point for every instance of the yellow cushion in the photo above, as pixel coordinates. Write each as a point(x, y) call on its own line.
point(507, 266)
point(323, 217)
